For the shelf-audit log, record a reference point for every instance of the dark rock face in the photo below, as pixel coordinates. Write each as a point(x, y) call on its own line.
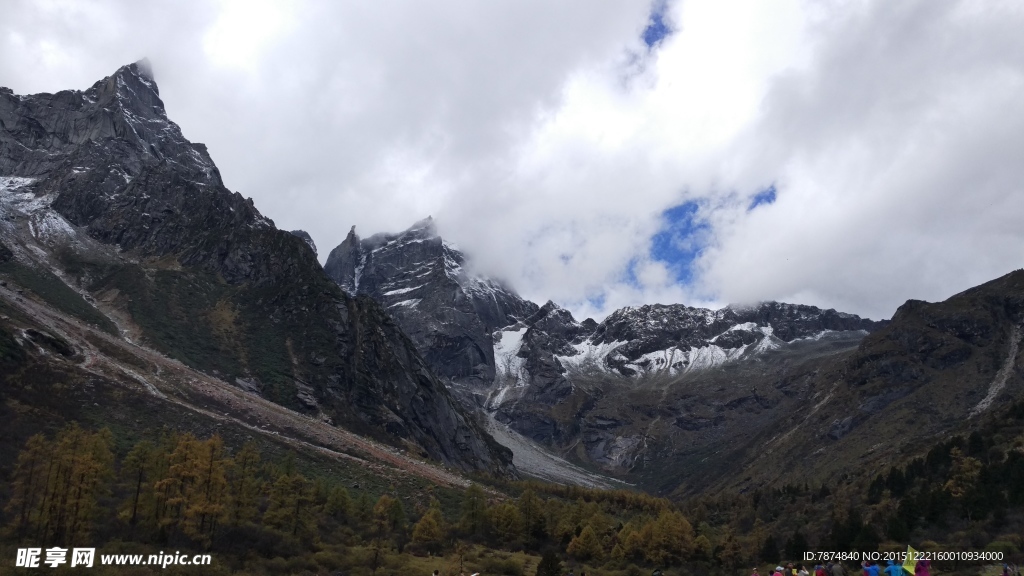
point(935, 370)
point(534, 368)
point(344, 263)
point(120, 171)
point(792, 321)
point(554, 364)
point(924, 338)
point(421, 281)
point(306, 237)
point(551, 332)
point(122, 114)
point(657, 327)
point(633, 332)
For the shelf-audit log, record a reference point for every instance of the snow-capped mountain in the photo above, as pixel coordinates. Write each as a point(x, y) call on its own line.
point(675, 339)
point(118, 238)
point(475, 329)
point(421, 280)
point(536, 372)
point(541, 356)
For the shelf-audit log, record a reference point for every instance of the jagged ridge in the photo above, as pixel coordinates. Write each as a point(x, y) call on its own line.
point(206, 277)
point(423, 283)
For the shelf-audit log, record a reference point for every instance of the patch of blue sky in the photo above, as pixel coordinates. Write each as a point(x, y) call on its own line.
point(766, 196)
point(681, 239)
point(629, 274)
point(597, 302)
point(657, 29)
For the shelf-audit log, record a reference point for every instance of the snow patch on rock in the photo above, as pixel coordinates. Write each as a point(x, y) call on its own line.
point(509, 369)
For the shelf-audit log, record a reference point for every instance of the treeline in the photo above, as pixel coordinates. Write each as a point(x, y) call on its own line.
point(965, 493)
point(974, 481)
point(961, 493)
point(621, 499)
point(186, 492)
point(595, 531)
point(179, 488)
point(57, 483)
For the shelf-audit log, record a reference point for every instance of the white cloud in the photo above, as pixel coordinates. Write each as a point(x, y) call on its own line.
point(896, 158)
point(244, 30)
point(547, 142)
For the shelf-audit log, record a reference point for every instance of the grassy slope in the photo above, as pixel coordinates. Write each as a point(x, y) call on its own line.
point(54, 292)
point(41, 394)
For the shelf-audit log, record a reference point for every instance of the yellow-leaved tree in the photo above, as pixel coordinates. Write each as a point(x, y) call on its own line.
point(586, 546)
point(56, 484)
point(430, 533)
point(245, 486)
point(668, 540)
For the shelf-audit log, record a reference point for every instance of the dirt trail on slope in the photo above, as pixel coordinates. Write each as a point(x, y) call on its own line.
point(171, 381)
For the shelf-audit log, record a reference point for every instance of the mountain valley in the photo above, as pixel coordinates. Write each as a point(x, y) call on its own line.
point(139, 294)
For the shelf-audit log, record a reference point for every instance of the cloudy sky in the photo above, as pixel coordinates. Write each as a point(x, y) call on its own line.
point(847, 154)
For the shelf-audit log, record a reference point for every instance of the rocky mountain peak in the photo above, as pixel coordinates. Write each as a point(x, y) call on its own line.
point(130, 94)
point(306, 238)
point(420, 278)
point(552, 318)
point(120, 116)
point(344, 263)
point(143, 68)
point(423, 229)
point(134, 79)
point(791, 321)
point(138, 211)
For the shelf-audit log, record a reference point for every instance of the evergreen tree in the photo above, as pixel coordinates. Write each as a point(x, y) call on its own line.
point(246, 486)
point(430, 532)
point(178, 485)
point(668, 539)
point(866, 539)
point(207, 505)
point(506, 522)
point(963, 479)
point(339, 504)
point(28, 485)
point(532, 514)
point(732, 554)
point(473, 520)
point(289, 505)
point(136, 472)
point(770, 550)
point(549, 565)
point(390, 513)
point(702, 547)
point(56, 485)
point(796, 545)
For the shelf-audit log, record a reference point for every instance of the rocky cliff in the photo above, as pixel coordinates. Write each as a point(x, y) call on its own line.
point(935, 370)
point(538, 373)
point(102, 188)
point(423, 282)
point(684, 400)
point(550, 366)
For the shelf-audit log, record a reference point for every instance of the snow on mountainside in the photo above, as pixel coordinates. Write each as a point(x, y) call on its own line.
point(463, 323)
point(424, 284)
point(658, 339)
point(596, 393)
point(524, 365)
